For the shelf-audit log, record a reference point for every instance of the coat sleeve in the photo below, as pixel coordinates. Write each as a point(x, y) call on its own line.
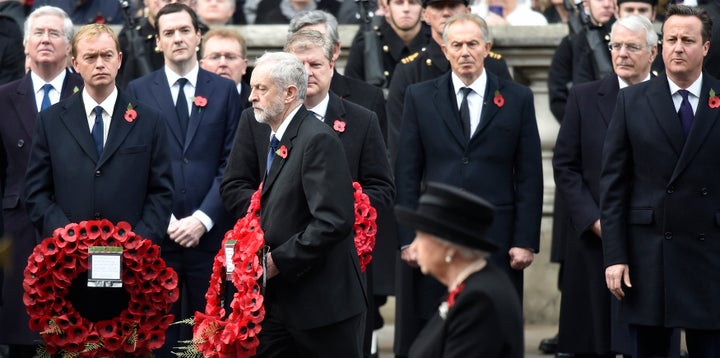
point(242, 175)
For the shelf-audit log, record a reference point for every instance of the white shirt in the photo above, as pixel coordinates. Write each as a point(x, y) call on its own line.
point(693, 97)
point(321, 108)
point(475, 97)
point(624, 84)
point(189, 88)
point(285, 123)
point(108, 105)
point(54, 93)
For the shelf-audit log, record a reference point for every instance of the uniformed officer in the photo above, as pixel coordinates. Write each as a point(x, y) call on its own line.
point(430, 62)
point(399, 34)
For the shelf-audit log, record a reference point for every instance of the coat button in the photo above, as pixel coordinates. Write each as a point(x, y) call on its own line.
point(97, 216)
point(704, 191)
point(668, 235)
point(183, 191)
point(466, 160)
point(386, 48)
point(701, 236)
point(97, 173)
point(671, 189)
point(428, 62)
point(185, 160)
point(20, 143)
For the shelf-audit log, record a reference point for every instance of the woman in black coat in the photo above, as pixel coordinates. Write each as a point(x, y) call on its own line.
point(481, 316)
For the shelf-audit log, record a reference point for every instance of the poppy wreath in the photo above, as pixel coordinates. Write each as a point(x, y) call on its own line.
point(57, 260)
point(365, 226)
point(216, 334)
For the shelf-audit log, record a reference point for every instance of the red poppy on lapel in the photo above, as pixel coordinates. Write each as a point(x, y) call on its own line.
point(200, 102)
point(130, 113)
point(282, 152)
point(339, 126)
point(714, 101)
point(499, 100)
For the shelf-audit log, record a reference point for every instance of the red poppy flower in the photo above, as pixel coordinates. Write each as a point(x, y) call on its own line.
point(282, 152)
point(200, 101)
point(130, 115)
point(339, 126)
point(499, 100)
point(714, 102)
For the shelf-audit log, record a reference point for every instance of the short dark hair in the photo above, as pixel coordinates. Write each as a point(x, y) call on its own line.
point(700, 13)
point(173, 8)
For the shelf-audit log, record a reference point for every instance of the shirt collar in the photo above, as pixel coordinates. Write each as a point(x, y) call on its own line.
point(56, 82)
point(108, 104)
point(285, 123)
point(624, 84)
point(190, 76)
point(321, 108)
point(694, 88)
point(478, 86)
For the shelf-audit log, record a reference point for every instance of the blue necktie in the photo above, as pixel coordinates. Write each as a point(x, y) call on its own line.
point(465, 111)
point(97, 131)
point(274, 144)
point(686, 112)
point(46, 97)
point(181, 107)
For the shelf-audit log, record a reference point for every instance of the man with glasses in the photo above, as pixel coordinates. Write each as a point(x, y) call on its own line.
point(658, 189)
point(224, 53)
point(586, 327)
point(48, 31)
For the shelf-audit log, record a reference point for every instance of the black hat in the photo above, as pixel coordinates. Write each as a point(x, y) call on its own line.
point(451, 214)
point(425, 3)
point(651, 2)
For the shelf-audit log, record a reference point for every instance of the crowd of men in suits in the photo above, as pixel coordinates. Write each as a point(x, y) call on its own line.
point(184, 170)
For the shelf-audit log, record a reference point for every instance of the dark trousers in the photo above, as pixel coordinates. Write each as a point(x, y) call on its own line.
point(665, 342)
point(193, 268)
point(341, 339)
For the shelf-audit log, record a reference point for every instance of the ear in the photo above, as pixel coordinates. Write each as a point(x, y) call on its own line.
point(291, 94)
point(74, 63)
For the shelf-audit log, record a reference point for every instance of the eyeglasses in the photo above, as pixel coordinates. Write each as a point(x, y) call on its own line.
point(230, 57)
point(629, 46)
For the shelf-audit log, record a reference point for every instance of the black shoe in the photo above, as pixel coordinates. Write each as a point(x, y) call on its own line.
point(564, 355)
point(549, 345)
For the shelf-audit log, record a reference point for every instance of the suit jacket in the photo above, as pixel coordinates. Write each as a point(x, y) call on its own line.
point(659, 213)
point(130, 181)
point(307, 215)
point(362, 94)
point(577, 161)
point(485, 321)
point(430, 63)
point(199, 156)
point(17, 103)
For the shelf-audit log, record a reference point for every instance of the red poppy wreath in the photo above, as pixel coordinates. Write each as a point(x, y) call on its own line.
point(216, 334)
point(57, 260)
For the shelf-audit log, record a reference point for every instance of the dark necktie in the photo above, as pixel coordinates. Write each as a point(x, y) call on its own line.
point(686, 112)
point(465, 111)
point(274, 145)
point(46, 97)
point(97, 131)
point(181, 107)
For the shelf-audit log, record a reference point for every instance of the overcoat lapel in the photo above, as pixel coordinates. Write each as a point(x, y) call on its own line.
point(705, 120)
point(287, 141)
point(489, 109)
point(659, 100)
point(163, 98)
point(607, 96)
point(24, 103)
point(444, 99)
point(119, 128)
point(335, 111)
point(74, 118)
point(204, 89)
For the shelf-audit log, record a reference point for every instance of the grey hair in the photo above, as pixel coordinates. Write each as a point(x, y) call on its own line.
point(636, 23)
point(315, 17)
point(68, 28)
point(307, 39)
point(468, 17)
point(285, 70)
point(465, 252)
